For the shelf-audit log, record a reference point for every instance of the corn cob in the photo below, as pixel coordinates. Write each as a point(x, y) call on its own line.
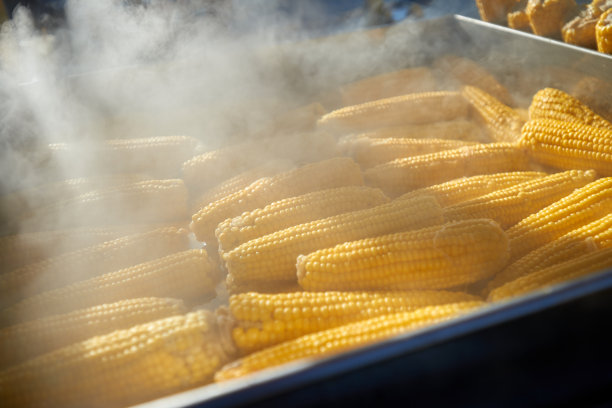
point(568, 145)
point(592, 262)
point(597, 234)
point(603, 32)
point(579, 208)
point(596, 93)
point(517, 17)
point(495, 11)
point(510, 205)
point(30, 339)
point(550, 103)
point(344, 338)
point(581, 29)
point(264, 320)
point(336, 172)
point(273, 256)
point(468, 72)
point(466, 188)
point(402, 175)
point(546, 17)
point(371, 152)
point(91, 261)
point(439, 257)
point(301, 119)
point(293, 211)
point(156, 156)
point(504, 123)
point(276, 286)
point(459, 129)
point(187, 275)
point(124, 367)
point(415, 108)
point(387, 85)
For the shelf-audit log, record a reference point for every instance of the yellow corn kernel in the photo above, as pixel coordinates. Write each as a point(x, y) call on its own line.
point(273, 256)
point(342, 338)
point(510, 205)
point(403, 175)
point(587, 264)
point(460, 129)
point(546, 17)
point(263, 320)
point(30, 339)
point(603, 32)
point(568, 145)
point(124, 367)
point(294, 211)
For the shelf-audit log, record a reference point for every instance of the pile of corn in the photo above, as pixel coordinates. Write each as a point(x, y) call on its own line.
point(394, 214)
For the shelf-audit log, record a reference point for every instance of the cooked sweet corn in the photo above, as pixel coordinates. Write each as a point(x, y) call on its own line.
point(460, 129)
point(603, 32)
point(546, 17)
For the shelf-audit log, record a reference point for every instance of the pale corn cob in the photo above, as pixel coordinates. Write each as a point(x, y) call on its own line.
point(468, 72)
point(405, 81)
point(263, 320)
point(460, 129)
point(596, 93)
point(603, 32)
point(156, 156)
point(336, 172)
point(503, 123)
point(550, 103)
point(402, 175)
point(415, 108)
point(546, 17)
point(439, 257)
point(568, 145)
point(293, 211)
point(187, 275)
point(596, 261)
point(495, 11)
point(466, 188)
point(579, 208)
point(124, 367)
point(371, 152)
point(146, 202)
point(91, 261)
point(30, 339)
point(273, 256)
point(269, 286)
point(342, 338)
point(597, 234)
point(510, 205)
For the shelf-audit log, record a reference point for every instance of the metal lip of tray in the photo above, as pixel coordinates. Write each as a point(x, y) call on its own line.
point(547, 348)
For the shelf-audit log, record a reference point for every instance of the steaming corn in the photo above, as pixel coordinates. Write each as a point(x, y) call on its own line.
point(415, 108)
point(510, 205)
point(91, 261)
point(187, 275)
point(568, 145)
point(293, 211)
point(460, 129)
point(336, 172)
point(439, 257)
point(579, 208)
point(546, 17)
point(586, 239)
point(402, 175)
point(503, 123)
point(595, 92)
point(342, 338)
point(603, 32)
point(273, 256)
point(466, 188)
point(587, 264)
point(30, 339)
point(264, 320)
point(124, 367)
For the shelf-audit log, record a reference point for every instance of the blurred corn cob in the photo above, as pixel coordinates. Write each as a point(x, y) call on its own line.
point(30, 339)
point(273, 256)
point(495, 11)
point(336, 172)
point(603, 32)
point(460, 129)
point(402, 175)
point(510, 205)
point(581, 29)
point(568, 145)
point(91, 261)
point(546, 17)
point(293, 211)
point(587, 264)
point(517, 17)
point(344, 338)
point(596, 93)
point(415, 108)
point(263, 320)
point(187, 275)
point(124, 367)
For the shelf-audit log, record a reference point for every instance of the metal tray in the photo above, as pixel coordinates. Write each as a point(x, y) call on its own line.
point(545, 349)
